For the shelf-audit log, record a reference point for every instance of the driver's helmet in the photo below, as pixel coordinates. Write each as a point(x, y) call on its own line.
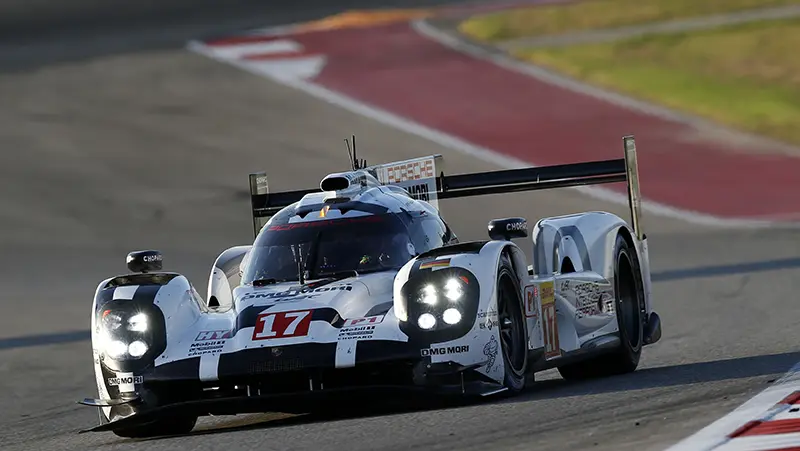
point(392, 251)
point(281, 262)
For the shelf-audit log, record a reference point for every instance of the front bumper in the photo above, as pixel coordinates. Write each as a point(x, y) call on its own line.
point(291, 379)
point(307, 401)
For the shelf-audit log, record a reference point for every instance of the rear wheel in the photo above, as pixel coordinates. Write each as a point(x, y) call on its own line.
point(511, 321)
point(629, 303)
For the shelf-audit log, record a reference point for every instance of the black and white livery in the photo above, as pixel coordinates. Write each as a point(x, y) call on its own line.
point(362, 285)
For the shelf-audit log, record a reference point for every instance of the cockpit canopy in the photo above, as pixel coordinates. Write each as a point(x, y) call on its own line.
point(323, 248)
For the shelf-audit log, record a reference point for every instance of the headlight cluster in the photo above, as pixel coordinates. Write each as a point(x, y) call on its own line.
point(446, 296)
point(124, 334)
point(442, 302)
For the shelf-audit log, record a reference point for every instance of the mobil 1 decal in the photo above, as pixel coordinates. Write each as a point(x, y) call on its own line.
point(359, 328)
point(209, 342)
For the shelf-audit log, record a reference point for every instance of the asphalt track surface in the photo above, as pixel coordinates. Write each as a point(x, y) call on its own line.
point(132, 142)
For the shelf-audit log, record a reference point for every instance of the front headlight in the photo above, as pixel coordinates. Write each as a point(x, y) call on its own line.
point(138, 323)
point(452, 290)
point(441, 303)
point(124, 343)
point(137, 349)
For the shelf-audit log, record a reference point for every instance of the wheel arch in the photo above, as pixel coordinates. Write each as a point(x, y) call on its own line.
point(225, 275)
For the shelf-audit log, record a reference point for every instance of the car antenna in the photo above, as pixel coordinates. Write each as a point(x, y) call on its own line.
point(350, 154)
point(298, 257)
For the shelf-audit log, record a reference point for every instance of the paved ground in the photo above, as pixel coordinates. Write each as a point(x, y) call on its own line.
point(108, 149)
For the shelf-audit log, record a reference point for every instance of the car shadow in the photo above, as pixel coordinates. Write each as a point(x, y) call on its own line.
point(665, 376)
point(249, 422)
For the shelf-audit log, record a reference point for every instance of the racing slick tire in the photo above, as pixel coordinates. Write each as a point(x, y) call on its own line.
point(177, 425)
point(629, 303)
point(511, 323)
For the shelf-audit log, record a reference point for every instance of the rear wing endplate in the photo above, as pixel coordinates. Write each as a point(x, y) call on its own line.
point(419, 177)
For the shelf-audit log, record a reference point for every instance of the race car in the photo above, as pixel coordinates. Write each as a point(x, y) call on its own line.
point(361, 285)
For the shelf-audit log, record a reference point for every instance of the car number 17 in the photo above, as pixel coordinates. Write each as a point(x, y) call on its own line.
point(282, 325)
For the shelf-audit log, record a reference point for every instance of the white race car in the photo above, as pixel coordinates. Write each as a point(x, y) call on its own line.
point(361, 285)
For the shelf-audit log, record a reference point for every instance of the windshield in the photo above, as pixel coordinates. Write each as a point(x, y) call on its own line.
point(327, 247)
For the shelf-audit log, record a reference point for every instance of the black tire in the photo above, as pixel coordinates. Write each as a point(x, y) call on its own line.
point(512, 327)
point(177, 425)
point(630, 320)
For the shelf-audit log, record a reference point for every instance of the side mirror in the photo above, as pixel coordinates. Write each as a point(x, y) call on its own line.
point(144, 261)
point(508, 228)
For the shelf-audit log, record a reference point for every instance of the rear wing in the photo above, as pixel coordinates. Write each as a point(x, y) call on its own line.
point(419, 177)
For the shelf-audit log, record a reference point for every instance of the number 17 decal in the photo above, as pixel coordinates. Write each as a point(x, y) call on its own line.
point(549, 320)
point(282, 325)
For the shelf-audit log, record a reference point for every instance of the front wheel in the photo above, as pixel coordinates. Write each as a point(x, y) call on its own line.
point(513, 338)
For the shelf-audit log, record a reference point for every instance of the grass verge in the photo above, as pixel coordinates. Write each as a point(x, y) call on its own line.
point(597, 14)
point(746, 76)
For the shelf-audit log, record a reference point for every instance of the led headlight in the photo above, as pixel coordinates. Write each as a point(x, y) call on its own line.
point(429, 295)
point(438, 305)
point(451, 316)
point(137, 322)
point(137, 349)
point(124, 343)
point(116, 349)
point(426, 321)
point(453, 290)
point(111, 320)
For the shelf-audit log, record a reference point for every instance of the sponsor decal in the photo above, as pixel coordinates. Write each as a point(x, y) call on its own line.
point(550, 322)
point(208, 335)
point(206, 348)
point(417, 177)
point(531, 293)
point(152, 258)
point(411, 170)
point(296, 294)
point(359, 328)
point(590, 298)
point(356, 333)
point(419, 191)
point(282, 325)
point(443, 263)
point(490, 351)
point(489, 324)
point(445, 350)
point(491, 314)
point(363, 321)
point(517, 226)
point(125, 380)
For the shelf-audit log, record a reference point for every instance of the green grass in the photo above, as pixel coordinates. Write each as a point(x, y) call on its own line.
point(747, 76)
point(597, 14)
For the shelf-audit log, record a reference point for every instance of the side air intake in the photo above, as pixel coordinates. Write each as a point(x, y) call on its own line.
point(348, 180)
